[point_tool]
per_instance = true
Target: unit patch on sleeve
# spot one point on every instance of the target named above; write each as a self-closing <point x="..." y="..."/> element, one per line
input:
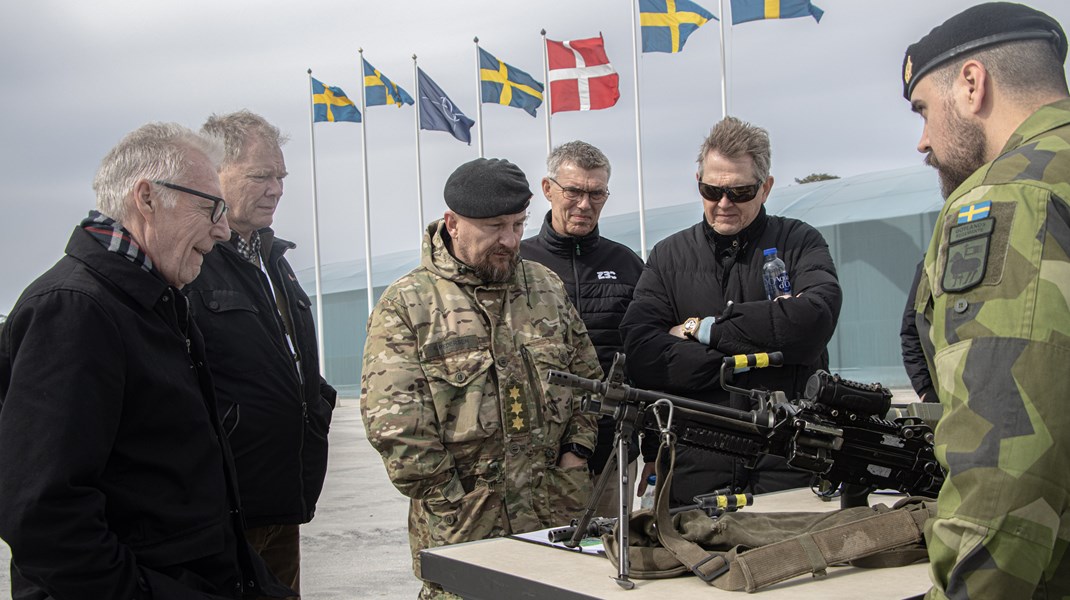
<point x="968" y="243"/>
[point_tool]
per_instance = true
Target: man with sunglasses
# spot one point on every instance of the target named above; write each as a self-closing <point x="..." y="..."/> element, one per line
<point x="115" y="478"/>
<point x="454" y="392"/>
<point x="702" y="297"/>
<point x="599" y="274"/>
<point x="261" y="341"/>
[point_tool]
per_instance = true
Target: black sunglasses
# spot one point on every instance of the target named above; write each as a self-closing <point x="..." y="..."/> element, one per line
<point x="736" y="195"/>
<point x="219" y="208"/>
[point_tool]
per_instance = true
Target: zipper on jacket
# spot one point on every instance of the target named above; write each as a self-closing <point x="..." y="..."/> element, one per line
<point x="576" y="279"/>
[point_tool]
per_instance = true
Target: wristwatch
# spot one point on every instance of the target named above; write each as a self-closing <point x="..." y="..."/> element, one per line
<point x="580" y="451"/>
<point x="691" y="327"/>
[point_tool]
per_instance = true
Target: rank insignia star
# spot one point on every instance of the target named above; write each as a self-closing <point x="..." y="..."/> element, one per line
<point x="518" y="424"/>
<point x="514" y="392"/>
<point x="516" y="408"/>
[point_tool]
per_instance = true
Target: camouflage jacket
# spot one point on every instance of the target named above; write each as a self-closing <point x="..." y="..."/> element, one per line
<point x="994" y="319"/>
<point x="454" y="397"/>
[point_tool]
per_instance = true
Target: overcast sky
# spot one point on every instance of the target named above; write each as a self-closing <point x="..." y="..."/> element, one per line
<point x="76" y="76"/>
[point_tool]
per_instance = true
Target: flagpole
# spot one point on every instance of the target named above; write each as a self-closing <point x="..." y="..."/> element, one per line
<point x="316" y="229"/>
<point x="638" y="137"/>
<point x="479" y="100"/>
<point x="419" y="179"/>
<point x="364" y="176"/>
<point x="546" y="78"/>
<point x="724" y="75"/>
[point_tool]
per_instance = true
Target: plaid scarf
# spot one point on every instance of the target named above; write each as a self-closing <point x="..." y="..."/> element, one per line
<point x="250" y="250"/>
<point x="115" y="238"/>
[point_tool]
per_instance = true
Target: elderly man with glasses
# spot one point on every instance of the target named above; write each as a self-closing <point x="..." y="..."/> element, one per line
<point x="702" y="297"/>
<point x="115" y="478"/>
<point x="599" y="274"/>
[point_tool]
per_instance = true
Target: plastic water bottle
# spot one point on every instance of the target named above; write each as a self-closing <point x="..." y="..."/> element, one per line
<point x="775" y="276"/>
<point x="647" y="500"/>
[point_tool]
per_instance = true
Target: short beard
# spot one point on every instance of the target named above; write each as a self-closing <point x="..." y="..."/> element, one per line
<point x="490" y="272"/>
<point x="966" y="152"/>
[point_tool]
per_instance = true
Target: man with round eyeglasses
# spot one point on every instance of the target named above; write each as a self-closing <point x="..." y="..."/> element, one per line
<point x="701" y="297"/>
<point x="599" y="274"/>
<point x="116" y="479"/>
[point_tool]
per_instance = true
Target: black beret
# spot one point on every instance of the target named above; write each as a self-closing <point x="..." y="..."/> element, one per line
<point x="487" y="187"/>
<point x="975" y="28"/>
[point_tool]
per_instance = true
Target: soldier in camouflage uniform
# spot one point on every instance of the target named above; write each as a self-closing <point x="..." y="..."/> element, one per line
<point x="453" y="392"/>
<point x="994" y="302"/>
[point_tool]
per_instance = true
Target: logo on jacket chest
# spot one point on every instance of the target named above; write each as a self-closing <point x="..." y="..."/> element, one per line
<point x="607" y="274"/>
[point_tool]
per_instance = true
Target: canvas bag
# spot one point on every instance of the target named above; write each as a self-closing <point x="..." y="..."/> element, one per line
<point x="750" y="550"/>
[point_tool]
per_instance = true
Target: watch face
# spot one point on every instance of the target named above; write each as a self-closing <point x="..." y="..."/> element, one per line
<point x="691" y="325"/>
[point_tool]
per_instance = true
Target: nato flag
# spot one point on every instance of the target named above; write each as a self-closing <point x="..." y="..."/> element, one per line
<point x="437" y="112"/>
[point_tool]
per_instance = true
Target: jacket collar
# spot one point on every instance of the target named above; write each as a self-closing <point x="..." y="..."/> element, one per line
<point x="269" y="244"/>
<point x="723" y="243"/>
<point x="142" y="286"/>
<point x="567" y="245"/>
<point x="1048" y="117"/>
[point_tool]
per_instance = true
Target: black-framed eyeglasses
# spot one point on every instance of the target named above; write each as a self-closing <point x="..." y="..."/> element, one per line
<point x="736" y="195"/>
<point x="219" y="208"/>
<point x="575" y="194"/>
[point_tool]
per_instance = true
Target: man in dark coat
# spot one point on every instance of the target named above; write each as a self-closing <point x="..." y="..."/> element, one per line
<point x="261" y="343"/>
<point x="599" y="274"/>
<point x="115" y="478"/>
<point x="702" y="297"/>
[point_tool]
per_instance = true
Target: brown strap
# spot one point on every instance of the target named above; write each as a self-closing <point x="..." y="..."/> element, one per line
<point x="707" y="566"/>
<point x="777" y="562"/>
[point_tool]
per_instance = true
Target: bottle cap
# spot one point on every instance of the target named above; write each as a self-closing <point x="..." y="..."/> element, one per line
<point x="652" y="479"/>
<point x="769" y="251"/>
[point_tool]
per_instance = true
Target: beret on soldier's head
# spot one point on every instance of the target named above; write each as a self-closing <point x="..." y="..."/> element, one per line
<point x="975" y="28"/>
<point x="487" y="187"/>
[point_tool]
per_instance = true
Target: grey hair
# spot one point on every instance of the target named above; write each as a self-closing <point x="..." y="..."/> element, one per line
<point x="581" y="154"/>
<point x="155" y="151"/>
<point x="733" y="138"/>
<point x="1022" y="69"/>
<point x="238" y="129"/>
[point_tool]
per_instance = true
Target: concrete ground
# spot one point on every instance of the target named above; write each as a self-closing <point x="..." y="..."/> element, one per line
<point x="357" y="546"/>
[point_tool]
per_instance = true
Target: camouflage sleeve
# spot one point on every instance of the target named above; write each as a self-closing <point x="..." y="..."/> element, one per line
<point x="583" y="427"/>
<point x="995" y="299"/>
<point x="397" y="409"/>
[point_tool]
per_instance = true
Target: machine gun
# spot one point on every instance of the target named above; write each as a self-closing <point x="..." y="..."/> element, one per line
<point x="838" y="430"/>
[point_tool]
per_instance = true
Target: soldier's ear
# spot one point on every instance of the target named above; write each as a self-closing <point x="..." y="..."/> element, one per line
<point x="450" y="220"/>
<point x="972" y="86"/>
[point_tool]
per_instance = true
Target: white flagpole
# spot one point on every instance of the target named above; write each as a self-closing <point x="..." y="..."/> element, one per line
<point x="546" y="92"/>
<point x="316" y="229"/>
<point x="419" y="179"/>
<point x="479" y="100"/>
<point x="638" y="137"/>
<point x="364" y="176"/>
<point x="724" y="76"/>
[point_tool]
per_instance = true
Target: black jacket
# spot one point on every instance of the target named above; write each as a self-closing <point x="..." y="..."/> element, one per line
<point x="698" y="273"/>
<point x="599" y="276"/>
<point x="913" y="356"/>
<point x="114" y="478"/>
<point x="276" y="418"/>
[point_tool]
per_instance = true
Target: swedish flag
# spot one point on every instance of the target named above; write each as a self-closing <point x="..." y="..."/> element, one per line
<point x="974" y="212"/>
<point x="667" y="23"/>
<point x="505" y="84"/>
<point x="331" y="104"/>
<point x="378" y="89"/>
<point x="755" y="10"/>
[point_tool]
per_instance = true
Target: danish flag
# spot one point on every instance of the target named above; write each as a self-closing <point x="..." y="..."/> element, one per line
<point x="581" y="77"/>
